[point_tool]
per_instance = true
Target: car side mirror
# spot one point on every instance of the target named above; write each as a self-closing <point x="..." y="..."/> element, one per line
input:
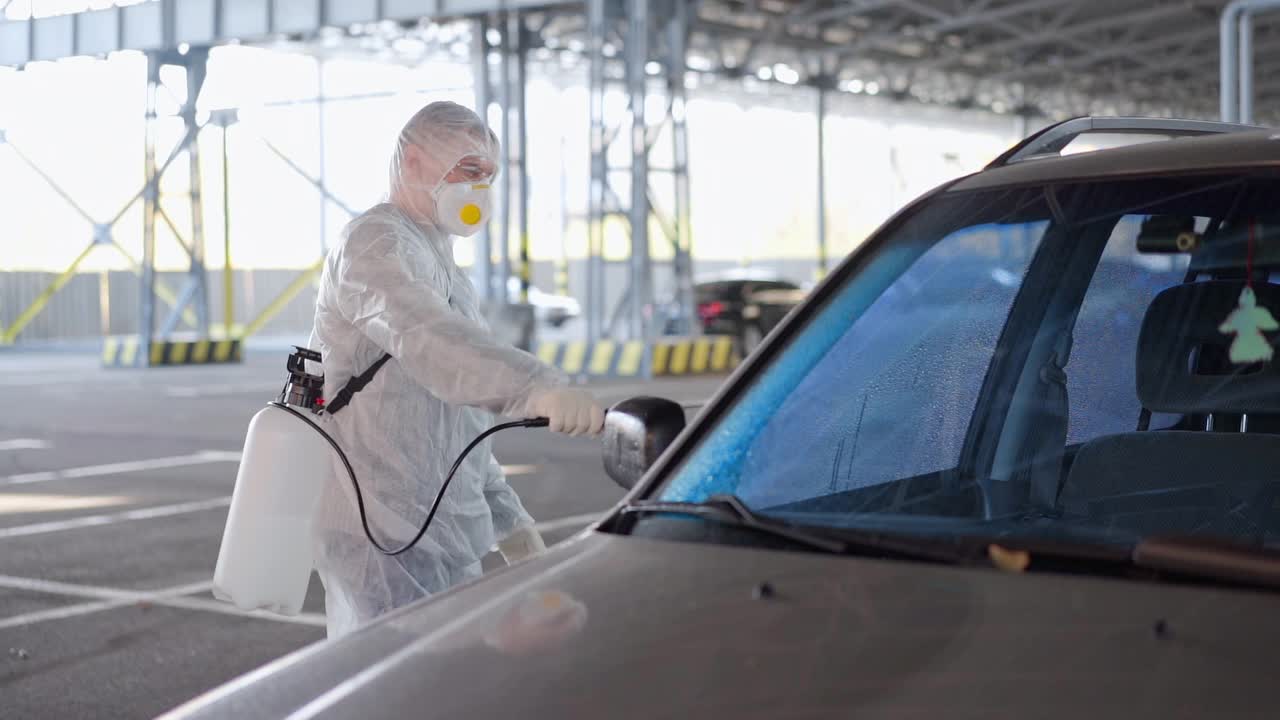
<point x="636" y="432"/>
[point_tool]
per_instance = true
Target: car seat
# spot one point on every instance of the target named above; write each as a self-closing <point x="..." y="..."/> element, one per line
<point x="1201" y="480"/>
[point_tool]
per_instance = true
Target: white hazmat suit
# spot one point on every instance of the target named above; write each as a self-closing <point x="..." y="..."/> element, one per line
<point x="392" y="286"/>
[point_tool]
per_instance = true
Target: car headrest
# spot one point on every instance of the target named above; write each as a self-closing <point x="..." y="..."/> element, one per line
<point x="1184" y="322"/>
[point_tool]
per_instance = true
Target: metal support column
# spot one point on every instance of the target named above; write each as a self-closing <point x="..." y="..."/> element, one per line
<point x="1021" y="123"/>
<point x="652" y="38"/>
<point x="1235" y="32"/>
<point x="562" y="258"/>
<point x="225" y="119"/>
<point x="228" y="276"/>
<point x="321" y="154"/>
<point x="520" y="37"/>
<point x="483" y="268"/>
<point x="822" y="177"/>
<point x="637" y="52"/>
<point x="150" y="196"/>
<point x="194" y="293"/>
<point x="597" y="30"/>
<point x="504" y="125"/>
<point x="1246" y="67"/>
<point x="677" y="36"/>
<point x="196" y="276"/>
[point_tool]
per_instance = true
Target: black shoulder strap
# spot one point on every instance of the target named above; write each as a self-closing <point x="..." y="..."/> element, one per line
<point x="355" y="385"/>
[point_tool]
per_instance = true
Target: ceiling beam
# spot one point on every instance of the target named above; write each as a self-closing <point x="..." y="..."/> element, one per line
<point x="1063" y="36"/>
<point x="983" y="15"/>
<point x="892" y="36"/>
<point x="1056" y="35"/>
<point x="844" y="11"/>
<point x="1104" y="53"/>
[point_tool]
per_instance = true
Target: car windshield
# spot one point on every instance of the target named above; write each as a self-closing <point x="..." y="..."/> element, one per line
<point x="1089" y="360"/>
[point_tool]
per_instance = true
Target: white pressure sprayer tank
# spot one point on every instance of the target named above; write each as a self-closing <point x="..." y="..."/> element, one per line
<point x="265" y="561"/>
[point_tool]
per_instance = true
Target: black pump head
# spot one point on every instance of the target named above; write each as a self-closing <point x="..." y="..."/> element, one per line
<point x="303" y="389"/>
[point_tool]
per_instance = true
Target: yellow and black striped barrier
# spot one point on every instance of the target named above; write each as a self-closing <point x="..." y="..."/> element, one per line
<point x="667" y="357"/>
<point x="129" y="351"/>
<point x="695" y="356"/>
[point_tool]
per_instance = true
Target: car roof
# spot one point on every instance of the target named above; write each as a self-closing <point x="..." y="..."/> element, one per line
<point x="1228" y="151"/>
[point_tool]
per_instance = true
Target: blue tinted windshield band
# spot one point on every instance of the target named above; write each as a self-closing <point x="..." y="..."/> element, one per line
<point x="715" y="467"/>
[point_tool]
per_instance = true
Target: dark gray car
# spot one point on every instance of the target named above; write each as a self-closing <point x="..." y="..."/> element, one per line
<point x="1009" y="460"/>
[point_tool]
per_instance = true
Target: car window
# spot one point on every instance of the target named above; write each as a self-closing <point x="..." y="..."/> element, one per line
<point x="773" y="285"/>
<point x="905" y="375"/>
<point x="717" y="291"/>
<point x="1102" y="396"/>
<point x="1082" y="360"/>
<point x="884" y="383"/>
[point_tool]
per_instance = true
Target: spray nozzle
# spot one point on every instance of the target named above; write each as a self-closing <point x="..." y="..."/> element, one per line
<point x="303" y="389"/>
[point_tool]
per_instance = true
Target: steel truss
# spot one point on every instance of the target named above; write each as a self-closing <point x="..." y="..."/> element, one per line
<point x="639" y="48"/>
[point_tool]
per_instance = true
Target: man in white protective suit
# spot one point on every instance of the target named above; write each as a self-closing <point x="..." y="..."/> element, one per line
<point x="391" y="288"/>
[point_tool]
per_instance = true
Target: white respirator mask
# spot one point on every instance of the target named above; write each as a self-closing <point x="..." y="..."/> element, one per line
<point x="463" y="208"/>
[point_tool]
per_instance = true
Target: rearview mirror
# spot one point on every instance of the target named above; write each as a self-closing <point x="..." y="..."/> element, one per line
<point x="636" y="432"/>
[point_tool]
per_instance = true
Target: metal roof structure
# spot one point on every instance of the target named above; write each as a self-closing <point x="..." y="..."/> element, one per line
<point x="1050" y="57"/>
<point x="1029" y="58"/>
<point x="1060" y="57"/>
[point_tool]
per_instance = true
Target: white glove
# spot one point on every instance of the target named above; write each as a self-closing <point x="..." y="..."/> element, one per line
<point x="524" y="542"/>
<point x="571" y="411"/>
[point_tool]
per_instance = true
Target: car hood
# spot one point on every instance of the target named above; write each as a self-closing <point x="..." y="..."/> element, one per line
<point x="610" y="626"/>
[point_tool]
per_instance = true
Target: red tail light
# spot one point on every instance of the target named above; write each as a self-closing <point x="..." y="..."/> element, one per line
<point x="707" y="311"/>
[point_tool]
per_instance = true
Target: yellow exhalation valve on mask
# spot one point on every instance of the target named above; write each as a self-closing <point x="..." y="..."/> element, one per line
<point x="462" y="208"/>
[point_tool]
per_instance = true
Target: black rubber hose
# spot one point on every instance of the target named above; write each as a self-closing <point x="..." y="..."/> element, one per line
<point x="364" y="519"/>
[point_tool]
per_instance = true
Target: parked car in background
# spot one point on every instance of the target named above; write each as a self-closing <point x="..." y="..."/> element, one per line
<point x="745" y="304"/>
<point x="548" y="308"/>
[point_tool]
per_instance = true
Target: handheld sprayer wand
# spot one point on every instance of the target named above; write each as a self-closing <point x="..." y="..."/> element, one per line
<point x="364" y="519"/>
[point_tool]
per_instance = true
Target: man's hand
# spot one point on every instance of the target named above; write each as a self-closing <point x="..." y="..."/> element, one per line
<point x="524" y="542"/>
<point x="571" y="411"/>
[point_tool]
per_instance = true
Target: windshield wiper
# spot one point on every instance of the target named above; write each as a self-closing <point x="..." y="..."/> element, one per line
<point x="730" y="510"/>
<point x="1209" y="559"/>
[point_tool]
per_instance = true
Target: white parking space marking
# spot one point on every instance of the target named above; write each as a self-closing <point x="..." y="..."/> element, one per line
<point x="568" y="522"/>
<point x="110" y="598"/>
<point x="23" y="444"/>
<point x="61" y="613"/>
<point x="200" y="458"/>
<point x="114" y="518"/>
<point x="54" y="587"/>
<point x="196" y="391"/>
<point x="222" y="608"/>
<point x="14" y="503"/>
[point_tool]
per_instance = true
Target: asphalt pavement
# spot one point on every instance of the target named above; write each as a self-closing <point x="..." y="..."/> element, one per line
<point x="114" y="487"/>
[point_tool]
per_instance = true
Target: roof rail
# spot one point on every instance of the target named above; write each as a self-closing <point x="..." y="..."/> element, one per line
<point x="1050" y="141"/>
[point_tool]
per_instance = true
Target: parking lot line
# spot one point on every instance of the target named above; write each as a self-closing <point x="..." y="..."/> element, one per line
<point x="61" y="613"/>
<point x="21" y="503"/>
<point x="200" y="458"/>
<point x="223" y="608"/>
<point x="104" y="598"/>
<point x="23" y="444"/>
<point x="113" y="518"/>
<point x="95" y="592"/>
